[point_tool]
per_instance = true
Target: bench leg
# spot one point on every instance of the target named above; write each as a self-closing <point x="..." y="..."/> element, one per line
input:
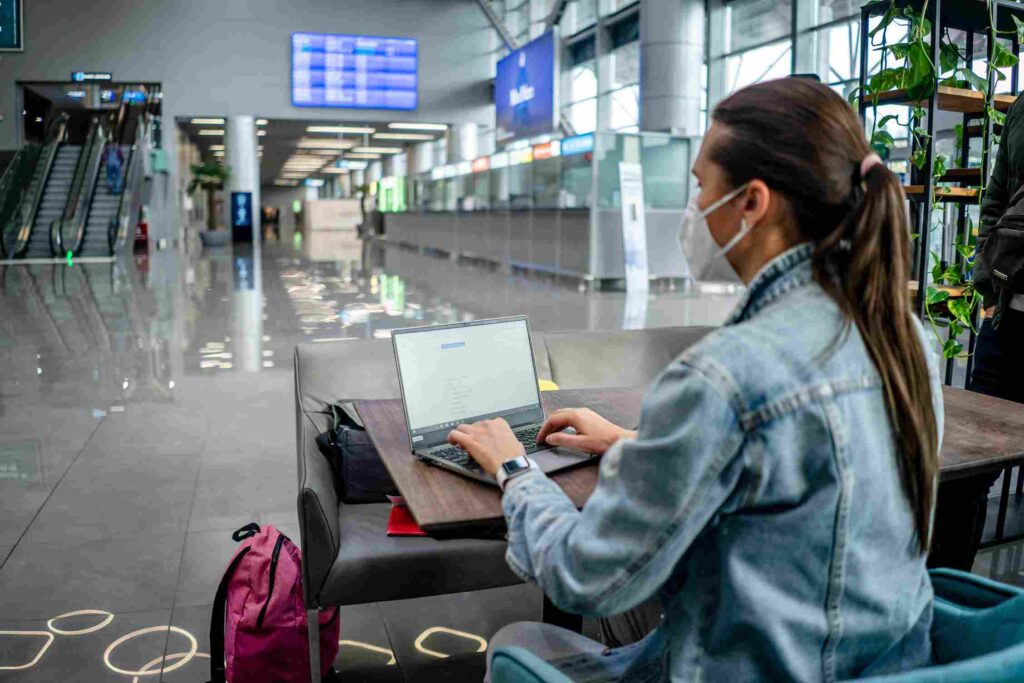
<point x="313" y="626"/>
<point x="556" y="617"/>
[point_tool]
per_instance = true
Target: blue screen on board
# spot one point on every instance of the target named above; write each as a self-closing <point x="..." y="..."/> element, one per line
<point x="359" y="72"/>
<point x="524" y="90"/>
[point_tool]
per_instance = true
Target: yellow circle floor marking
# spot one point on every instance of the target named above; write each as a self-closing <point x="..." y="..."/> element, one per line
<point x="194" y="647"/>
<point x="39" y="655"/>
<point x="443" y="629"/>
<point x="371" y="648"/>
<point x="167" y="658"/>
<point x="82" y="612"/>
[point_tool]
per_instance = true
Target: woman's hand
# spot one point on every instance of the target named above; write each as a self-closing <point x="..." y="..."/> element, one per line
<point x="594" y="434"/>
<point x="490" y="443"/>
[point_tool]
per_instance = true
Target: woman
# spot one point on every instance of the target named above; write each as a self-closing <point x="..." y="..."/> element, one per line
<point x="778" y="496"/>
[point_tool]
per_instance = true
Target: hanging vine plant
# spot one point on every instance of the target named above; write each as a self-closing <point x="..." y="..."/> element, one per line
<point x="914" y="72"/>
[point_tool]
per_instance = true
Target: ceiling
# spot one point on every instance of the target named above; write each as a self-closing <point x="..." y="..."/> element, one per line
<point x="283" y="135"/>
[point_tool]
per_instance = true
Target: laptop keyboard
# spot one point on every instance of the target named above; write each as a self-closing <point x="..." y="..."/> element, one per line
<point x="455" y="455"/>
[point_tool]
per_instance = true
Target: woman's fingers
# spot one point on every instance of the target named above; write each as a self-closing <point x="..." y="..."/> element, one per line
<point x="556" y="422"/>
<point x="564" y="440"/>
<point x="461" y="438"/>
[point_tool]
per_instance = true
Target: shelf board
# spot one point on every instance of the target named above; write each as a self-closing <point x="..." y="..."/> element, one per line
<point x="954" y="292"/>
<point x="950" y="99"/>
<point x="945" y="194"/>
<point x="976" y="130"/>
<point x="961" y="175"/>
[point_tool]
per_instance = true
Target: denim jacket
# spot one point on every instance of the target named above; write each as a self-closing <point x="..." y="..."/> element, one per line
<point x="761" y="503"/>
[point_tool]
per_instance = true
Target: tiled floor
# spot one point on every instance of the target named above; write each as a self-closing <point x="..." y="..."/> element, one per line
<point x="146" y="413"/>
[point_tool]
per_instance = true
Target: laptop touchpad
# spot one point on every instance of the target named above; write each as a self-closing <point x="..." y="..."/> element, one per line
<point x="556" y="459"/>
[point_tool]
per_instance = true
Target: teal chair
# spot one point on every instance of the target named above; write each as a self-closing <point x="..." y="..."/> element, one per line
<point x="977" y="637"/>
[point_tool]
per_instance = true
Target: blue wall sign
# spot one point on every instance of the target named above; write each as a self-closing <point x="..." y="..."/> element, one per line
<point x="241" y="216"/>
<point x="524" y="90"/>
<point x="87" y="76"/>
<point x="578" y="144"/>
<point x="11" y="39"/>
<point x="359" y="72"/>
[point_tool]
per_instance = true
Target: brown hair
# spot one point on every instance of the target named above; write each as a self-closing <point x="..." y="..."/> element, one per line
<point x="804" y="141"/>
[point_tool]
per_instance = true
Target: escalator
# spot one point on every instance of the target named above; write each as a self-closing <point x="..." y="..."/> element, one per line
<point x="68" y="227"/>
<point x="22" y="188"/>
<point x="54" y="199"/>
<point x="105" y="228"/>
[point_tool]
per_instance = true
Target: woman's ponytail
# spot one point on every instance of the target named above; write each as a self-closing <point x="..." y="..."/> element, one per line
<point x="877" y="300"/>
<point x="804" y="141"/>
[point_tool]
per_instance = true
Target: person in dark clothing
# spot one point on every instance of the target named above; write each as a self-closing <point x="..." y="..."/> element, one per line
<point x="998" y="361"/>
<point x="115" y="163"/>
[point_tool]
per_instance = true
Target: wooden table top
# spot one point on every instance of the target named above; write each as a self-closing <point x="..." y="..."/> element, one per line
<point x="982" y="435"/>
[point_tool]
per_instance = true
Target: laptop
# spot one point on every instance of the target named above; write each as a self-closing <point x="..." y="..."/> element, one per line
<point x="467" y="372"/>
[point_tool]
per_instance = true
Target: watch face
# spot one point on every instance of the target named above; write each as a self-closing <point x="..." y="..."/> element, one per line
<point x="517" y="465"/>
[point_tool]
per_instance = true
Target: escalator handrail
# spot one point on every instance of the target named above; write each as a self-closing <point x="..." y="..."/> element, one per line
<point x="66" y="233"/>
<point x="26" y="213"/>
<point x="11" y="190"/>
<point x="117" y="231"/>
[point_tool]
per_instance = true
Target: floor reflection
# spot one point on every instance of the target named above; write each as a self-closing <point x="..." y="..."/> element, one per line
<point x="105" y="334"/>
<point x="72" y="334"/>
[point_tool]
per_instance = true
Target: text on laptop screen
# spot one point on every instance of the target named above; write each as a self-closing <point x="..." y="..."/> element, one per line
<point x="466" y="373"/>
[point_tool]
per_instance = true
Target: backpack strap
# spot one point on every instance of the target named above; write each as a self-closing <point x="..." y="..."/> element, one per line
<point x="1005" y="294"/>
<point x="1016" y="198"/>
<point x="217" y="620"/>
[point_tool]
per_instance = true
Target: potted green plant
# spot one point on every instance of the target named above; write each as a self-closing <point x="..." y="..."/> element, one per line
<point x="210" y="176"/>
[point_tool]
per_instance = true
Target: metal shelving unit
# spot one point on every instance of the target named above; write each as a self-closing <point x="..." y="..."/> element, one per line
<point x="973" y="17"/>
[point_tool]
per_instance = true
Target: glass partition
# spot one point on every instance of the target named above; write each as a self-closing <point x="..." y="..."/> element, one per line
<point x="665" y="160"/>
<point x="577" y="180"/>
<point x="482" y="190"/>
<point x="547" y="183"/>
<point x="553" y="175"/>
<point x="520" y="186"/>
<point x="499" y="186"/>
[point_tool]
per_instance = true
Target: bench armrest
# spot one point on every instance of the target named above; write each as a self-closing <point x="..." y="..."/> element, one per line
<point x="317" y="502"/>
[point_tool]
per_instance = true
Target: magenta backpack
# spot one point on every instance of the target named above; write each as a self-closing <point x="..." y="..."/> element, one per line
<point x="258" y="631"/>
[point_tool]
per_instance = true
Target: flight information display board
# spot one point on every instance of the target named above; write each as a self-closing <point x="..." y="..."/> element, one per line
<point x="361" y="72"/>
<point x="10" y="26"/>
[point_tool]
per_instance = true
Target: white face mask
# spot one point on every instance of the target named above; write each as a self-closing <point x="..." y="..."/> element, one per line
<point x="695" y="221"/>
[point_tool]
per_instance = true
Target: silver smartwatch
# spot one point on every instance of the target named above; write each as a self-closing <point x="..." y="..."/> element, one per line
<point x="510" y="469"/>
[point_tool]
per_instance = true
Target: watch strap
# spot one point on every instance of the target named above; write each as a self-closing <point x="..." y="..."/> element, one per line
<point x="504" y="477"/>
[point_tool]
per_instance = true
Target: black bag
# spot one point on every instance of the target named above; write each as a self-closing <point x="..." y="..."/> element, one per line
<point x="359" y="474"/>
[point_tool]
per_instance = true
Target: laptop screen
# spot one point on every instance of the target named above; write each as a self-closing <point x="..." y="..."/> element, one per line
<point x="466" y="372"/>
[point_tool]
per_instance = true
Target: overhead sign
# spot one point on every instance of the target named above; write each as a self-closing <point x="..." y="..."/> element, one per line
<point x="351" y="165"/>
<point x="10" y="26"/>
<point x="524" y="90"/>
<point x="499" y="160"/>
<point x="87" y="76"/>
<point x="578" y="144"/>
<point x="360" y="72"/>
<point x="520" y="156"/>
<point x="547" y="150"/>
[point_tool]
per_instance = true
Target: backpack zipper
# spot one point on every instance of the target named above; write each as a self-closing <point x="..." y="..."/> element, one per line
<point x="273" y="575"/>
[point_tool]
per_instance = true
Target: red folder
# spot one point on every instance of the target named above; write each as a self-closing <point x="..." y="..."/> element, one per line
<point x="401" y="523"/>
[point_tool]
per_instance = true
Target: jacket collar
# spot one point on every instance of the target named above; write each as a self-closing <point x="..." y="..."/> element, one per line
<point x="790" y="269"/>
